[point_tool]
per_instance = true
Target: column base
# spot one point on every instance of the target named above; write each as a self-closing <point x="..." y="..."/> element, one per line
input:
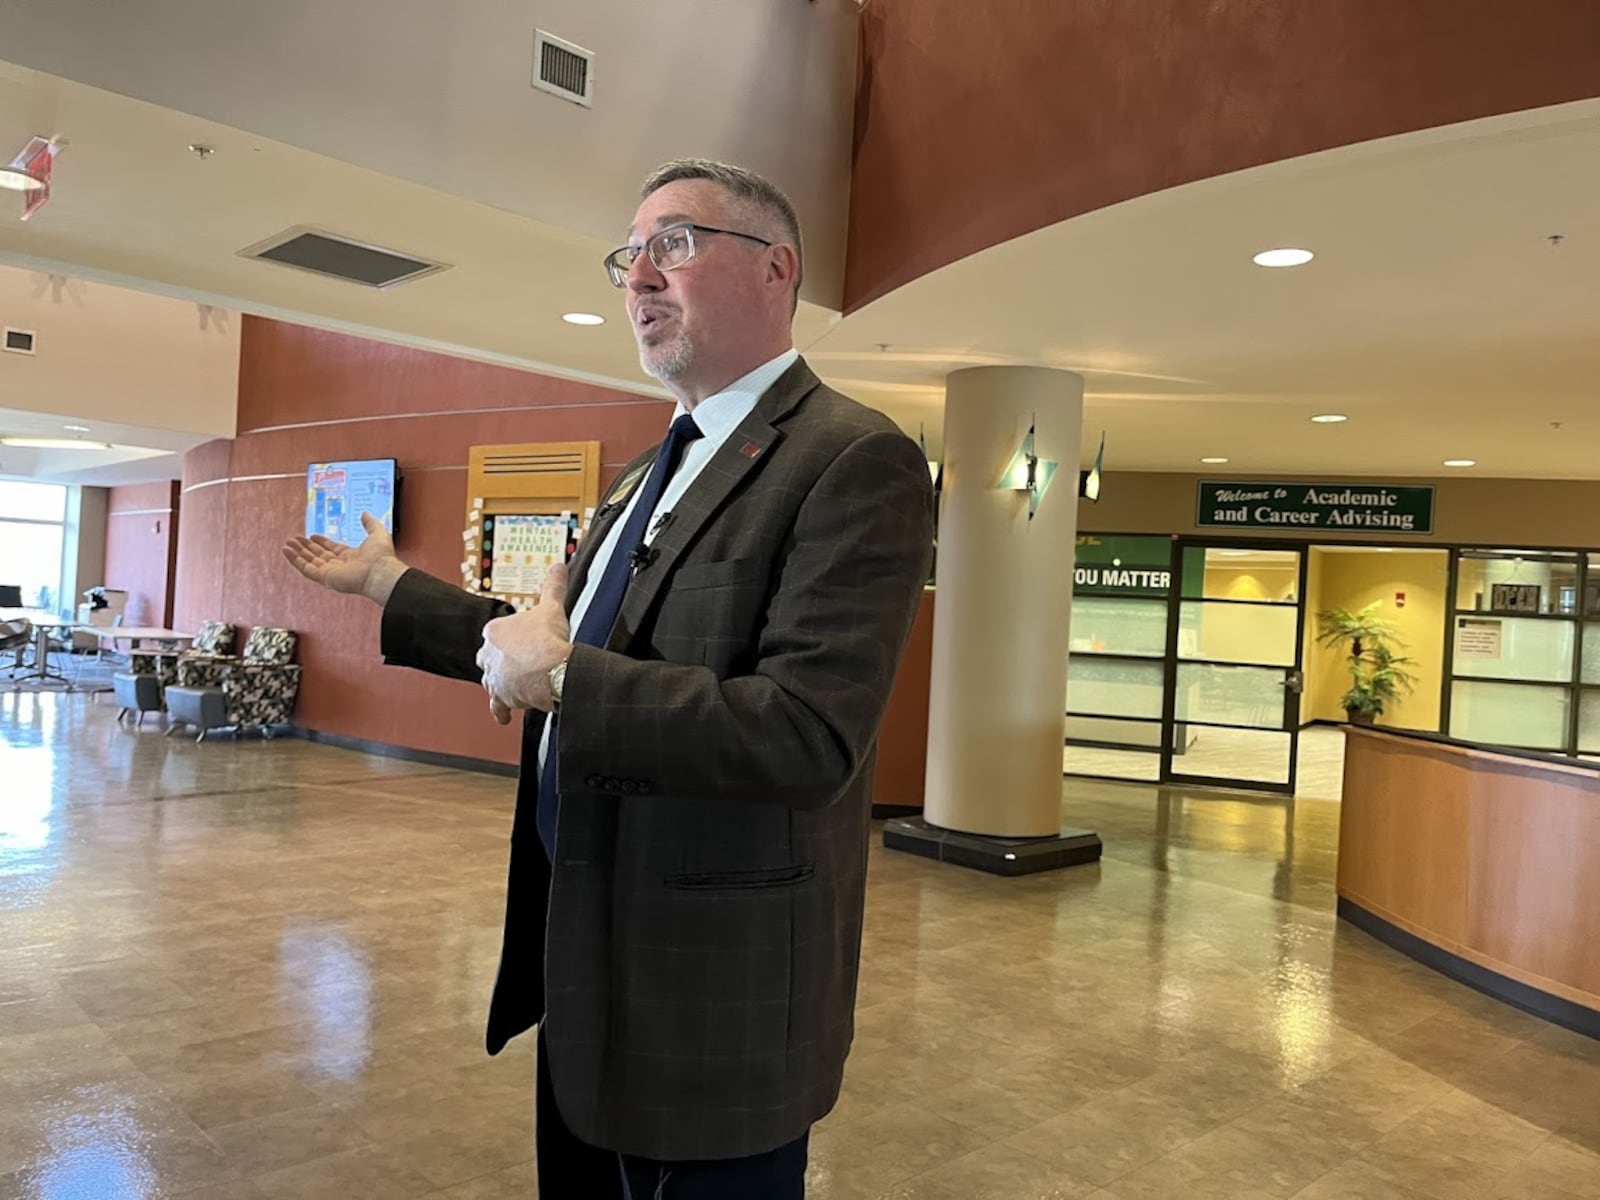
<point x="996" y="855"/>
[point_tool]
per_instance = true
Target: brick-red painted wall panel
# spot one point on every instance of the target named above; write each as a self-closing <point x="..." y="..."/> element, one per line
<point x="306" y="395"/>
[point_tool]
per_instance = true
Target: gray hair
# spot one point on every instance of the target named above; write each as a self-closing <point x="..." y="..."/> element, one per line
<point x="750" y="189"/>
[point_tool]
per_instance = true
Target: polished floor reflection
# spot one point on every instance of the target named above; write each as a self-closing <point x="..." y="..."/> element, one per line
<point x="1227" y="754"/>
<point x="246" y="970"/>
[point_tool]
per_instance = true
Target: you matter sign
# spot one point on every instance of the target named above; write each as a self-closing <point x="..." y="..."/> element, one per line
<point x="1316" y="507"/>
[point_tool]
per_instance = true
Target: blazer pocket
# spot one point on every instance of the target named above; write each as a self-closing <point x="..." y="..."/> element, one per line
<point x="735" y="881"/>
<point x="726" y="573"/>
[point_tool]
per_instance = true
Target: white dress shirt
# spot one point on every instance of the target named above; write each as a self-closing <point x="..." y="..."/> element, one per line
<point x="717" y="416"/>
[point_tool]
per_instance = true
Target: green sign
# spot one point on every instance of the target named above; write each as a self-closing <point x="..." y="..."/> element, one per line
<point x="1122" y="566"/>
<point x="1316" y="507"/>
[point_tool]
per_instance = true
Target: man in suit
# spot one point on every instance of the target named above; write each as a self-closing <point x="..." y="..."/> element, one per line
<point x="688" y="853"/>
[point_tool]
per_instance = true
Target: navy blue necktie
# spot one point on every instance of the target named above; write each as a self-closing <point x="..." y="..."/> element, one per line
<point x="601" y="615"/>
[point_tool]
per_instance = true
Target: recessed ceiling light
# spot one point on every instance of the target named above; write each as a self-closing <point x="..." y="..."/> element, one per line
<point x="14" y="179"/>
<point x="583" y="318"/>
<point x="77" y="428"/>
<point x="1329" y="418"/>
<point x="1213" y="461"/>
<point x="1460" y="462"/>
<point x="54" y="443"/>
<point x="1285" y="257"/>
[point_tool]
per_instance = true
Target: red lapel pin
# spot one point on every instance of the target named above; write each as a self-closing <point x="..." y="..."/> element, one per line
<point x="750" y="450"/>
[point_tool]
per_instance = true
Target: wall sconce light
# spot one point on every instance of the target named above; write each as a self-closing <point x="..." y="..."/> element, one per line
<point x="1027" y="472"/>
<point x="1089" y="481"/>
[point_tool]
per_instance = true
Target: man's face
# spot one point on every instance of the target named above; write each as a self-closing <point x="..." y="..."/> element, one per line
<point x="689" y="320"/>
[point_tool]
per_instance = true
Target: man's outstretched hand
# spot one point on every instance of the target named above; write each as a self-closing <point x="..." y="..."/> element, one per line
<point x="370" y="569"/>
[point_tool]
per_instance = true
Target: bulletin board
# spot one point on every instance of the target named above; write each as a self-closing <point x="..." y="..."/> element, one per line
<point x="528" y="507"/>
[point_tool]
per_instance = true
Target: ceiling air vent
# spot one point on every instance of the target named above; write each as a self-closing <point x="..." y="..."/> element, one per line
<point x="19" y="341"/>
<point x="341" y="257"/>
<point x="563" y="69"/>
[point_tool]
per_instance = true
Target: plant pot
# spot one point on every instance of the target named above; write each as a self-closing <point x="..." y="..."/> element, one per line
<point x="1357" y="717"/>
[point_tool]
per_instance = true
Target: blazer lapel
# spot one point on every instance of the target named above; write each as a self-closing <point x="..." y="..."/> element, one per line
<point x="742" y="454"/>
<point x="608" y="514"/>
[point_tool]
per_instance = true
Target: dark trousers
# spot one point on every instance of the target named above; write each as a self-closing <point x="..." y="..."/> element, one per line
<point x="571" y="1169"/>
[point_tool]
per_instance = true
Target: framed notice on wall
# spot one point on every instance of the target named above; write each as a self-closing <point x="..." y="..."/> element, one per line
<point x="1477" y="638"/>
<point x="523" y="549"/>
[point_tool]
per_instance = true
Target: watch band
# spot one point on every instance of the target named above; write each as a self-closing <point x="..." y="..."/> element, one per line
<point x="558" y="679"/>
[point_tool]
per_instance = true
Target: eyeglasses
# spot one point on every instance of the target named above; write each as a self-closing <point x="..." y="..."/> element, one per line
<point x="669" y="249"/>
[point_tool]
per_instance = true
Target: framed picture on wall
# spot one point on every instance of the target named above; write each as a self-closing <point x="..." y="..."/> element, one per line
<point x="1515" y="597"/>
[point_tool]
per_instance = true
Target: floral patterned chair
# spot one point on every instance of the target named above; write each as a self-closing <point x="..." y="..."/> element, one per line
<point x="258" y="689"/>
<point x="214" y="639"/>
<point x="142" y="687"/>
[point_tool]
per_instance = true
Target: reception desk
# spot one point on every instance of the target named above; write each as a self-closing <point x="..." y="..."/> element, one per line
<point x="1481" y="863"/>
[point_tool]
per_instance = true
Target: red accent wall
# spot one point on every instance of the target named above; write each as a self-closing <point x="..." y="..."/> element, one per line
<point x="901" y="778"/>
<point x="976" y="123"/>
<point x="306" y="395"/>
<point x="141" y="549"/>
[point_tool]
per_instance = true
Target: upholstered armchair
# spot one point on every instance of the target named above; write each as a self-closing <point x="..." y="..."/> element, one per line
<point x="214" y="639"/>
<point x="258" y="689"/>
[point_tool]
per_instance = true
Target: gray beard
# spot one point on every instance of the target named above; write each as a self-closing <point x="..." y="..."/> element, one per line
<point x="668" y="361"/>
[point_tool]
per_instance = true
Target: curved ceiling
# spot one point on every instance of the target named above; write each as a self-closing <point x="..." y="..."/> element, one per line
<point x="1435" y="314"/>
<point x="976" y="124"/>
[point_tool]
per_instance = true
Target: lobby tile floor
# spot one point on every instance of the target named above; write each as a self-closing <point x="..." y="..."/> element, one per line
<point x="247" y="970"/>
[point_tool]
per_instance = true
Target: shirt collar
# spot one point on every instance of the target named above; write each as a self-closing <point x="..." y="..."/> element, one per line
<point x="719" y="415"/>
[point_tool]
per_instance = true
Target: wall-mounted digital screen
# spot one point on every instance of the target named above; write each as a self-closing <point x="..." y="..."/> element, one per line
<point x="337" y="493"/>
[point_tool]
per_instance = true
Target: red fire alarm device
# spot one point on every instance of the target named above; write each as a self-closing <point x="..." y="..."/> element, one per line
<point x="1399" y="599"/>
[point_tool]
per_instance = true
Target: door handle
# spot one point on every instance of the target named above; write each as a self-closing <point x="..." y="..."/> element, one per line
<point x="1294" y="681"/>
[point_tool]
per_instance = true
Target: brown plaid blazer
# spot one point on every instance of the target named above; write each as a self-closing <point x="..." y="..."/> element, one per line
<point x="693" y="953"/>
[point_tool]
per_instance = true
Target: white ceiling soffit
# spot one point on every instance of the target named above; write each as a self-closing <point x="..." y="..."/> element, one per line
<point x="442" y="94"/>
<point x="137" y="454"/>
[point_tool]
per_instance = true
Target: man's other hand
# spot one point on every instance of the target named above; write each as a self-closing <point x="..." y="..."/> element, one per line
<point x="519" y="651"/>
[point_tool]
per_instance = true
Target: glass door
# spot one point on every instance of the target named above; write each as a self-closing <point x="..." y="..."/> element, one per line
<point x="1234" y="655"/>
<point x="1116" y="669"/>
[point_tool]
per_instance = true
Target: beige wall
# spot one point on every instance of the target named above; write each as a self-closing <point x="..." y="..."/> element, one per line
<point x="1352" y="581"/>
<point x="1486" y="512"/>
<point x="108" y="354"/>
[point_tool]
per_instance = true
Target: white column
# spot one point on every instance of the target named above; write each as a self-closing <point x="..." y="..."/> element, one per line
<point x="1002" y="603"/>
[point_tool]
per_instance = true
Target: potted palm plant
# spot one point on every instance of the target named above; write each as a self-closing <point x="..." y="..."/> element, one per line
<point x="1378" y="673"/>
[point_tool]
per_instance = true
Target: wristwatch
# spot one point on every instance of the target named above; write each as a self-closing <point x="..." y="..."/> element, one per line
<point x="558" y="680"/>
